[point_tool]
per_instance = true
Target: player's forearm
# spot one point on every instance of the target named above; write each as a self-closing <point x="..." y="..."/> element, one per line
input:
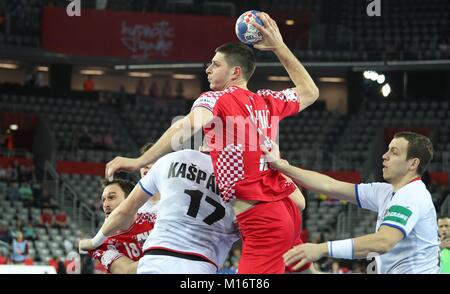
<point x="123" y="265"/>
<point x="310" y="180"/>
<point x="371" y="243"/>
<point x="355" y="248"/>
<point x="305" y="85"/>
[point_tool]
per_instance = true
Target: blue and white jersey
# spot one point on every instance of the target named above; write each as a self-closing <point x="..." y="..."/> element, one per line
<point x="410" y="210"/>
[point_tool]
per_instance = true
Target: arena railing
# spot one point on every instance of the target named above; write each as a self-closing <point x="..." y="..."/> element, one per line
<point x="67" y="192"/>
<point x="51" y="175"/>
<point x="85" y="210"/>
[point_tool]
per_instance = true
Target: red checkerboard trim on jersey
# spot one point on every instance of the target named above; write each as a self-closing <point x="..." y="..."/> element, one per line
<point x="146" y="217"/>
<point x="288" y="95"/>
<point x="215" y="95"/>
<point x="230" y="169"/>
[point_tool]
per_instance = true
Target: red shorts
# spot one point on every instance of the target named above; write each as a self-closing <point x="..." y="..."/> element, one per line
<point x="268" y="230"/>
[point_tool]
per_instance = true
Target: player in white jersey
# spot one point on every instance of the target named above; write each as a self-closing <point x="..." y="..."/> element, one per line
<point x="194" y="230"/>
<point x="406" y="239"/>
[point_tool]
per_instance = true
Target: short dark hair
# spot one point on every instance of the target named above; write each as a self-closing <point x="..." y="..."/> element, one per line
<point x="419" y="146"/>
<point x="126" y="185"/>
<point x="146" y="147"/>
<point x="443" y="216"/>
<point x="239" y="54"/>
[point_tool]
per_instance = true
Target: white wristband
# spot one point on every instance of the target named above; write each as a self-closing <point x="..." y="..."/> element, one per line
<point x="98" y="239"/>
<point x="341" y="249"/>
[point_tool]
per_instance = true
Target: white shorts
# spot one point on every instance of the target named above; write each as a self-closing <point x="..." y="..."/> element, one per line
<point x="163" y="264"/>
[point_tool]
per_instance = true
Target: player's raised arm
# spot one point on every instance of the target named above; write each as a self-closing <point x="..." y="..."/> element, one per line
<point x="273" y="41"/>
<point x="309" y="179"/>
<point x="183" y="128"/>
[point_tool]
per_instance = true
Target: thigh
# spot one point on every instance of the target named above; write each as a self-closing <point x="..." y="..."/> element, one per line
<point x="268" y="231"/>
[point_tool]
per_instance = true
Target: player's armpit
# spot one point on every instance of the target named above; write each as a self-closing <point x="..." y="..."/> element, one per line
<point x="123" y="265"/>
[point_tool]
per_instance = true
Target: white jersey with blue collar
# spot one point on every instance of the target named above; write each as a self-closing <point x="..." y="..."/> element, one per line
<point x="410" y="210"/>
<point x="191" y="216"/>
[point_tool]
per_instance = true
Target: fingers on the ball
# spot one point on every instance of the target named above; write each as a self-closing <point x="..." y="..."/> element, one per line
<point x="259" y="27"/>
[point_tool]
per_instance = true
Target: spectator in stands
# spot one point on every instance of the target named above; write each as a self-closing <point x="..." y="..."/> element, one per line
<point x="45" y="219"/>
<point x="336" y="268"/>
<point x="26" y="194"/>
<point x="12" y="192"/>
<point x="88" y="84"/>
<point x="5" y="236"/>
<point x="19" y="249"/>
<point x="29" y="232"/>
<point x="61" y="219"/>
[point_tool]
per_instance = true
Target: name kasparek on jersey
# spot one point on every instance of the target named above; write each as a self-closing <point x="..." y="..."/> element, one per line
<point x="192" y="173"/>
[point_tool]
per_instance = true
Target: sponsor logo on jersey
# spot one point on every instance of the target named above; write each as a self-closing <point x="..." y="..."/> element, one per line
<point x="398" y="214"/>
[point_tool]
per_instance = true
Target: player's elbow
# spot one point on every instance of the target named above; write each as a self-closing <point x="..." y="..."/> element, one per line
<point x="310" y="94"/>
<point x="314" y="93"/>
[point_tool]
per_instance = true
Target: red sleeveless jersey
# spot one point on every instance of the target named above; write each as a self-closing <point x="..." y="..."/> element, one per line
<point x="239" y="165"/>
<point x="129" y="242"/>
